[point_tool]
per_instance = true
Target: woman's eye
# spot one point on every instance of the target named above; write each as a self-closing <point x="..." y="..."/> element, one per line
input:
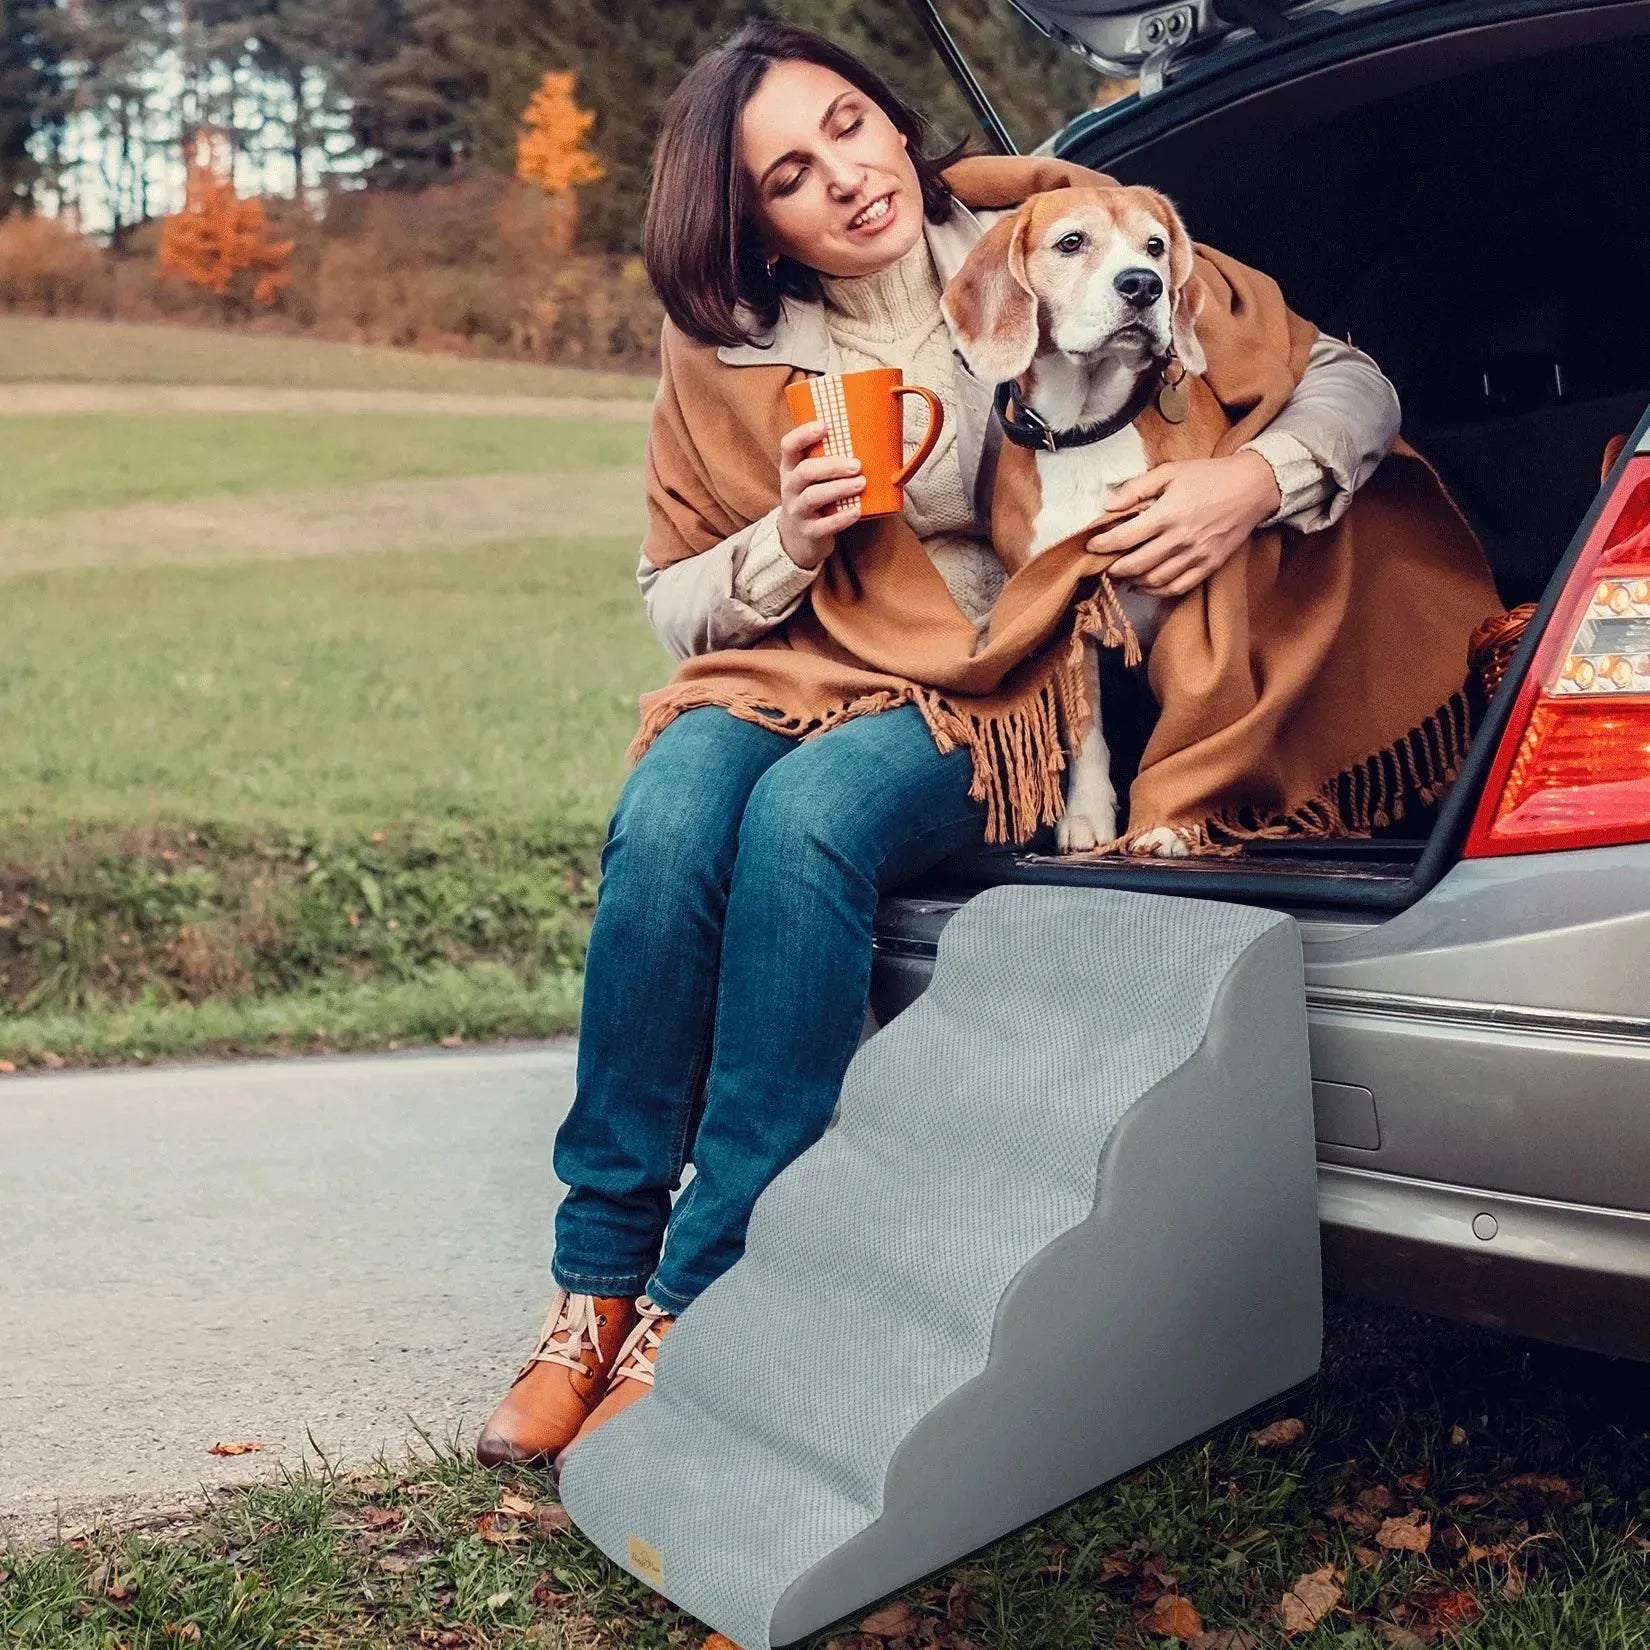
<point x="789" y="185"/>
<point x="1074" y="242"/>
<point x="1154" y="246"/>
<point x="848" y="131"/>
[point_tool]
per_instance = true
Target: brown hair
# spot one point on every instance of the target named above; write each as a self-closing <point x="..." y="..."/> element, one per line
<point x="699" y="238"/>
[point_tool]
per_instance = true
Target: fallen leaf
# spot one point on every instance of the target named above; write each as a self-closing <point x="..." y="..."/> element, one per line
<point x="1500" y="1553"/>
<point x="188" y="1632"/>
<point x="107" y="1582"/>
<point x="1311" y="1599"/>
<point x="1560" y="1488"/>
<point x="517" y="1505"/>
<point x="6" y="1065"/>
<point x="497" y="1601"/>
<point x="379" y="1518"/>
<point x="1377" y="1498"/>
<point x="718" y="1641"/>
<point x="1410" y="1534"/>
<point x="1458" y="1436"/>
<point x="1226" y="1638"/>
<point x="1443" y="1609"/>
<point x="1290" y="1431"/>
<point x="1469" y="1498"/>
<point x="452" y="1042"/>
<point x="1367" y="1557"/>
<point x="1368" y="1522"/>
<point x="233" y="1449"/>
<point x="888" y="1622"/>
<point x="1513" y="1586"/>
<point x="1115" y="1565"/>
<point x="546" y="1597"/>
<point x="1400" y="1638"/>
<point x="1417" y="1480"/>
<point x="499" y="1529"/>
<point x="1172" y="1617"/>
<point x="552" y="1520"/>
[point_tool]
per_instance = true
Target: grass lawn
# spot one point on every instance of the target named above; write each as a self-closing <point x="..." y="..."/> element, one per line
<point x="250" y="790"/>
<point x="1438" y="1485"/>
<point x="80" y="460"/>
<point x="117" y="352"/>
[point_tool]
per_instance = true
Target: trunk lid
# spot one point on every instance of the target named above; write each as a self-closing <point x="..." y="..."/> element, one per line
<point x="1143" y="38"/>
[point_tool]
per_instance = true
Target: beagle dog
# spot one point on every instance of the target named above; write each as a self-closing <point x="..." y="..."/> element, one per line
<point x="1078" y="306"/>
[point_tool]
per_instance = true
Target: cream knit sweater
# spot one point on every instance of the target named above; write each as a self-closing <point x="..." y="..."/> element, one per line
<point x="892" y="319"/>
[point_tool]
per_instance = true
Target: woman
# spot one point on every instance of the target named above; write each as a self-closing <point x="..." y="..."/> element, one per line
<point x="795" y="220"/>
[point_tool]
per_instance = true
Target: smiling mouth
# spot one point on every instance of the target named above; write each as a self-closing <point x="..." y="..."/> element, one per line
<point x="872" y="212"/>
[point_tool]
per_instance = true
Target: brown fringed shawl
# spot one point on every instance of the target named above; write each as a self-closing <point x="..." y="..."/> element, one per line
<point x="1306" y="686"/>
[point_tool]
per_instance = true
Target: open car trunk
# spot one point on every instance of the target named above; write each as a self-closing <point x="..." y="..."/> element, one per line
<point x="1471" y="210"/>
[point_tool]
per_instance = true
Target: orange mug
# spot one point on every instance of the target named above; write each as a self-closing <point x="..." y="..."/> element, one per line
<point x="864" y="420"/>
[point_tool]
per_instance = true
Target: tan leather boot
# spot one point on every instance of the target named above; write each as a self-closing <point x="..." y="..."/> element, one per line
<point x="632" y="1370"/>
<point x="564" y="1376"/>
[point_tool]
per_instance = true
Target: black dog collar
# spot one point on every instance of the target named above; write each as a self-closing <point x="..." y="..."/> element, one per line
<point x="1028" y="430"/>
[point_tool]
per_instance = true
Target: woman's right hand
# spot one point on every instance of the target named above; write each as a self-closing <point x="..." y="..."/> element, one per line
<point x="809" y="491"/>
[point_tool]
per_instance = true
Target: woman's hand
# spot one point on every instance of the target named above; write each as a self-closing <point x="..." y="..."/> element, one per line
<point x="809" y="491"/>
<point x="1202" y="509"/>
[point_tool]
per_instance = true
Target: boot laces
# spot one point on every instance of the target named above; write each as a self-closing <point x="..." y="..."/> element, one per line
<point x="572" y="1315"/>
<point x="634" y="1360"/>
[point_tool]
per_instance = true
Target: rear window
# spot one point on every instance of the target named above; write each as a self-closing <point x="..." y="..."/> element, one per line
<point x="1035" y="85"/>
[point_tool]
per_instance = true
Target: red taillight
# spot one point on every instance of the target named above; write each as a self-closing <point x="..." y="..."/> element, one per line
<point x="1573" y="768"/>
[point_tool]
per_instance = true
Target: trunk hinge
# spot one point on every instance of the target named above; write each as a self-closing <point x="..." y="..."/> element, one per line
<point x="957" y="66"/>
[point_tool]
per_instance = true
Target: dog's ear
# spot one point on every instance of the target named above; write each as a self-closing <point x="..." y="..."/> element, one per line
<point x="989" y="304"/>
<point x="1187" y="306"/>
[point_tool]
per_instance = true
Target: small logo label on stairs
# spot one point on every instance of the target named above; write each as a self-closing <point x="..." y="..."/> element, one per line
<point x="648" y="1562"/>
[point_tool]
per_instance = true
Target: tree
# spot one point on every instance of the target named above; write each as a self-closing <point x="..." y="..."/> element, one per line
<point x="219" y="241"/>
<point x="551" y="148"/>
<point x="30" y="94"/>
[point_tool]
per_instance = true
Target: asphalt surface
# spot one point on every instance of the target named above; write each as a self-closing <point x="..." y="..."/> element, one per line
<point x="325" y="1252"/>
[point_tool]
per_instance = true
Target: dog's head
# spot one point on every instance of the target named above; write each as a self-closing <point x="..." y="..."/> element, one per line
<point x="1096" y="274"/>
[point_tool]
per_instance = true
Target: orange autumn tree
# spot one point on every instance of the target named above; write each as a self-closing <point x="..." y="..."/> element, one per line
<point x="217" y="240"/>
<point x="550" y="149"/>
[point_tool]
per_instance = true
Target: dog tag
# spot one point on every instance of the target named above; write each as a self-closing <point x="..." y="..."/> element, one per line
<point x="1173" y="402"/>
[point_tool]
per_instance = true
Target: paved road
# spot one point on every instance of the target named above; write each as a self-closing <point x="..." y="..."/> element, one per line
<point x="246" y="1251"/>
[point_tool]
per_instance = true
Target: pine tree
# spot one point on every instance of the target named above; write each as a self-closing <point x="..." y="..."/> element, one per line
<point x="31" y="80"/>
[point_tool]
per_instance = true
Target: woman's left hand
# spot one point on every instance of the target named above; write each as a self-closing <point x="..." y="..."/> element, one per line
<point x="1200" y="511"/>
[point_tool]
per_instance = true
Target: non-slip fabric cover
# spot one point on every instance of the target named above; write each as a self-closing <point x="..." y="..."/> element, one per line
<point x="977" y="1296"/>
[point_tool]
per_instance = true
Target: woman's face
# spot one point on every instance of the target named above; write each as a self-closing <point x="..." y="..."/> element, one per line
<point x="834" y="186"/>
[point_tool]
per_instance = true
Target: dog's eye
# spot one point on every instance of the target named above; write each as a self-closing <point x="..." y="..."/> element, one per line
<point x="1070" y="243"/>
<point x="1154" y="246"/>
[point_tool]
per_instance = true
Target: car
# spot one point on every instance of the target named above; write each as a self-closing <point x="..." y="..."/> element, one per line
<point x="1461" y="189"/>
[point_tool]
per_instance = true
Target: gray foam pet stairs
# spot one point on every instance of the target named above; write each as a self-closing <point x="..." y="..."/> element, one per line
<point x="1063" y="1219"/>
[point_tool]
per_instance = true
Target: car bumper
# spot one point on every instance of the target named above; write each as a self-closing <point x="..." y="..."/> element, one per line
<point x="1563" y="1272"/>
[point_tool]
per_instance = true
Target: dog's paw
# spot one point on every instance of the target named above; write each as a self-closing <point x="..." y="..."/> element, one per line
<point x="1161" y="842"/>
<point x="1084" y="827"/>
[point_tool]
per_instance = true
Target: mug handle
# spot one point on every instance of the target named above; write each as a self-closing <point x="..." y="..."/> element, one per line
<point x="936" y="421"/>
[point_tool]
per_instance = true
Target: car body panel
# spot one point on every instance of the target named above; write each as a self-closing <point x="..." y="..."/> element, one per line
<point x="1480" y="1029"/>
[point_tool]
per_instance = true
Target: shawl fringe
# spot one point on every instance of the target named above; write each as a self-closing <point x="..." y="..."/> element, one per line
<point x="1372" y="793"/>
<point x="1016" y="749"/>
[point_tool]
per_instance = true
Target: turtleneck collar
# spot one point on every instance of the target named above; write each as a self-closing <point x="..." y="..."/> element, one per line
<point x="895" y="301"/>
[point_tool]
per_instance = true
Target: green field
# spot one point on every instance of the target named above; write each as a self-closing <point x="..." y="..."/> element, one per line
<point x="79" y="460"/>
<point x="117" y="352"/>
<point x="309" y="724"/>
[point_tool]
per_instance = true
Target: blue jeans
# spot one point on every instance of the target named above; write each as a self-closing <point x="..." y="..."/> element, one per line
<point x="727" y="976"/>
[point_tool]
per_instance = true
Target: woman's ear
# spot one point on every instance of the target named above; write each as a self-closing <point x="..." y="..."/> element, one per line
<point x="1183" y="314"/>
<point x="989" y="305"/>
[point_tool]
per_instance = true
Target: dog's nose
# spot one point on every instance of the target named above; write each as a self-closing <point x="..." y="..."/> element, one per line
<point x="1140" y="287"/>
